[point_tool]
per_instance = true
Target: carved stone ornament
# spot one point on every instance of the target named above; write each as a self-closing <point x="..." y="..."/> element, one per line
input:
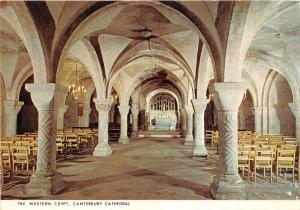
<point x="103" y="107"/>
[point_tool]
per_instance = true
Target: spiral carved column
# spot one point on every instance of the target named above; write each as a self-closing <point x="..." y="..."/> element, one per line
<point x="228" y="183"/>
<point x="45" y="180"/>
<point x="102" y="148"/>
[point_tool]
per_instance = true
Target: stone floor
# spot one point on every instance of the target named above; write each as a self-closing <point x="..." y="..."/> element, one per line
<point x="155" y="169"/>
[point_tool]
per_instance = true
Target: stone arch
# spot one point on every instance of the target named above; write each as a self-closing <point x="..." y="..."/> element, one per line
<point x="91" y="65"/>
<point x="252" y="88"/>
<point x="252" y="23"/>
<point x="24" y="26"/>
<point x="277" y="97"/>
<point x="272" y="62"/>
<point x="2" y="99"/>
<point x="143" y="73"/>
<point x="26" y="72"/>
<point x="129" y="55"/>
<point x="205" y="32"/>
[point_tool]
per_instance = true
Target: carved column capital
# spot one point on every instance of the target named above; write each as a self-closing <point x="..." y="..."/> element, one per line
<point x="199" y="105"/>
<point x="123" y="110"/>
<point x="62" y="109"/>
<point x="42" y="95"/>
<point x="12" y="107"/>
<point x="102" y="104"/>
<point x="189" y="109"/>
<point x="256" y="110"/>
<point x="229" y="95"/>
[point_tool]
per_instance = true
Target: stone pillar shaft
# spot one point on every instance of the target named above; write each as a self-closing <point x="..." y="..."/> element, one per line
<point x="296" y="111"/>
<point x="124" y="125"/>
<point x="12" y="109"/>
<point x="228" y="148"/>
<point x="46" y="159"/>
<point x="102" y="148"/>
<point x="84" y="120"/>
<point x="189" y="139"/>
<point x="257" y="112"/>
<point x="135" y="114"/>
<point x="199" y="107"/>
<point x="143" y="119"/>
<point x="61" y="116"/>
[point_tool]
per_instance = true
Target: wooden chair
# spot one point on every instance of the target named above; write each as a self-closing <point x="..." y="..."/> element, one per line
<point x="60" y="144"/>
<point x="215" y="139"/>
<point x="208" y="136"/>
<point x="288" y="147"/>
<point x="285" y="160"/>
<point x="244" y="162"/>
<point x="290" y="140"/>
<point x="72" y="140"/>
<point x="21" y="136"/>
<point x="263" y="159"/>
<point x="20" y="157"/>
<point x="4" y="168"/>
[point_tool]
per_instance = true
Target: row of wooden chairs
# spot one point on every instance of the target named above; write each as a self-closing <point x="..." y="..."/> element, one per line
<point x="17" y="158"/>
<point x="212" y="137"/>
<point x="267" y="160"/>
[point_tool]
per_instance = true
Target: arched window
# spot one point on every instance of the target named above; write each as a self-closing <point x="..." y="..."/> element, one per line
<point x="163" y="102"/>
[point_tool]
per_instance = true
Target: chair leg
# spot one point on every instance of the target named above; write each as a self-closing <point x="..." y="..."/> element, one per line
<point x="271" y="175"/>
<point x="276" y="174"/>
<point x="293" y="174"/>
<point x="249" y="171"/>
<point x="264" y="172"/>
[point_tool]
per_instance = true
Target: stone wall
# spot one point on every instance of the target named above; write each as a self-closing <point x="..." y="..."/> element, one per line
<point x="71" y="115"/>
<point x="280" y="117"/>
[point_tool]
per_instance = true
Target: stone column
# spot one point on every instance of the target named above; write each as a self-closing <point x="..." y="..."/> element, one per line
<point x="228" y="183"/>
<point x="189" y="139"/>
<point x="60" y="99"/>
<point x="61" y="116"/>
<point x="45" y="180"/>
<point x="143" y="119"/>
<point x="103" y="107"/>
<point x="296" y="112"/>
<point x="199" y="107"/>
<point x="84" y="120"/>
<point x="123" y="135"/>
<point x="12" y="109"/>
<point x="183" y="122"/>
<point x="257" y="112"/>
<point x="135" y="113"/>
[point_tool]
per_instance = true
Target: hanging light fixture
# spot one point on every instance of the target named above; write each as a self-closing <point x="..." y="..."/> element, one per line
<point x="76" y="90"/>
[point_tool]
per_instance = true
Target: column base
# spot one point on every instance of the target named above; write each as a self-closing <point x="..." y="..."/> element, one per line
<point x="42" y="184"/>
<point x="124" y="140"/>
<point x="189" y="141"/>
<point x="200" y="152"/>
<point x="134" y="135"/>
<point x="230" y="187"/>
<point x="102" y="150"/>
